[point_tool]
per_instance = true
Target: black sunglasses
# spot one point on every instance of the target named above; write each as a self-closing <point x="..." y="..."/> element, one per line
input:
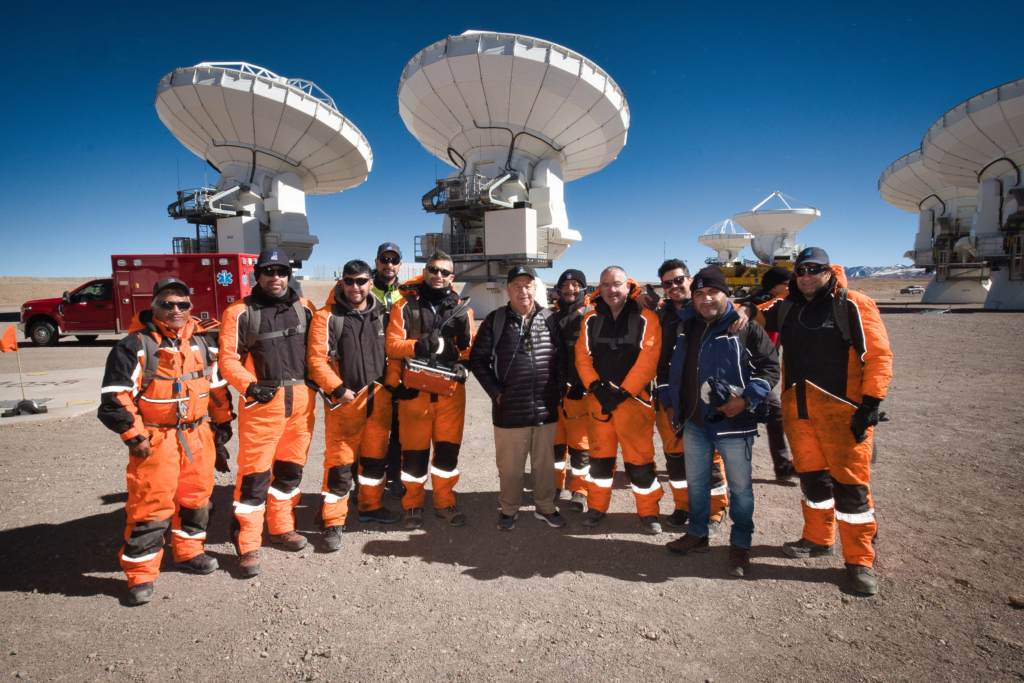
<point x="810" y="270"/>
<point x="434" y="270"/>
<point x="171" y="305"/>
<point x="276" y="272"/>
<point x="357" y="281"/>
<point x="675" y="282"/>
<point x="393" y="260"/>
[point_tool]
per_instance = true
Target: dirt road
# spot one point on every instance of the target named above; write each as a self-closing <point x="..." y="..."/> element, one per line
<point x="474" y="604"/>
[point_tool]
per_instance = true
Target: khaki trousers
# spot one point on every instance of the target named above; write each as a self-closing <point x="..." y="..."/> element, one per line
<point x="511" y="448"/>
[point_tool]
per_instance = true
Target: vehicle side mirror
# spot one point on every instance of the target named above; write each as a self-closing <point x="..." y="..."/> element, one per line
<point x="66" y="297"/>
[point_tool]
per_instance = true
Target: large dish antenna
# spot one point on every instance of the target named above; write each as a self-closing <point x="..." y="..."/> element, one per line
<point x="513" y="96"/>
<point x="775" y="230"/>
<point x="518" y="117"/>
<point x="907" y="184"/>
<point x="972" y="135"/>
<point x="272" y="139"/>
<point x="727" y="239"/>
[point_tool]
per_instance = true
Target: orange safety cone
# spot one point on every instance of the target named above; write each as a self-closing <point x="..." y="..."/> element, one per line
<point x="8" y="343"/>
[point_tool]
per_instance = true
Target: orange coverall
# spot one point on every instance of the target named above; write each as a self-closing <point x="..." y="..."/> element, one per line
<point x="168" y="488"/>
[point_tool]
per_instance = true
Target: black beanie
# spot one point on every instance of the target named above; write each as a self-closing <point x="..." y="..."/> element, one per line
<point x="571" y="274"/>
<point x="711" y="276"/>
<point x="776" y="275"/>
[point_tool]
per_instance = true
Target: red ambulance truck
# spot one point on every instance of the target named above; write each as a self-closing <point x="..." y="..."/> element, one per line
<point x="107" y="306"/>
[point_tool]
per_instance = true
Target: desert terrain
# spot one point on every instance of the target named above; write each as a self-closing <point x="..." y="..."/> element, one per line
<point x="608" y="604"/>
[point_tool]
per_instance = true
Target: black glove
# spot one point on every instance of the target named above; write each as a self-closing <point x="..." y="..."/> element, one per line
<point x="221" y="435"/>
<point x="428" y="345"/>
<point x="261" y="394"/>
<point x="576" y="392"/>
<point x="866" y="416"/>
<point x="608" y="396"/>
<point x="461" y="374"/>
<point x="403" y="393"/>
<point x="339" y="391"/>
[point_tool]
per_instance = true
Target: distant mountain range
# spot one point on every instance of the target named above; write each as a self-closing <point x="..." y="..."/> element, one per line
<point x="898" y="271"/>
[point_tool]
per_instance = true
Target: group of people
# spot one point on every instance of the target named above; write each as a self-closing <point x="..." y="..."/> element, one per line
<point x="569" y="386"/>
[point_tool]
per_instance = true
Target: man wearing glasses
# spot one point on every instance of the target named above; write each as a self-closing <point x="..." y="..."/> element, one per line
<point x="263" y="356"/>
<point x="837" y="366"/>
<point x="571" y="436"/>
<point x="422" y="326"/>
<point x="159" y="383"/>
<point x="617" y="357"/>
<point x="346" y="358"/>
<point x="675" y="281"/>
<point x="385" y="289"/>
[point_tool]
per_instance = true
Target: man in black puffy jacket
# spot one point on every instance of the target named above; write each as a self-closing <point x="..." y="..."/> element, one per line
<point x="515" y="358"/>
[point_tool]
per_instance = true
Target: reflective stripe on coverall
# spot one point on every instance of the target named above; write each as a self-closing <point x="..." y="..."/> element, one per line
<point x="572" y="446"/>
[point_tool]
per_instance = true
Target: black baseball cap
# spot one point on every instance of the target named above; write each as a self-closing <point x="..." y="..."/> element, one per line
<point x="388" y="246"/>
<point x="171" y="283"/>
<point x="776" y="275"/>
<point x="812" y="255"/>
<point x="519" y="271"/>
<point x="272" y="257"/>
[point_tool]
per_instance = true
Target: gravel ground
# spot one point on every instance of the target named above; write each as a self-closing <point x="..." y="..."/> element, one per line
<point x="475" y="604"/>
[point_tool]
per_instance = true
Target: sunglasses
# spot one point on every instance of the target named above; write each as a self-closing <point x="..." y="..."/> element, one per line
<point x="810" y="270"/>
<point x="171" y="305"/>
<point x="276" y="272"/>
<point x="391" y="260"/>
<point x="674" y="282"/>
<point x="434" y="270"/>
<point x="357" y="281"/>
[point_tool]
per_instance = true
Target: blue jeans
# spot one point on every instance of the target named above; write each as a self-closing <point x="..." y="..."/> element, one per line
<point x="735" y="452"/>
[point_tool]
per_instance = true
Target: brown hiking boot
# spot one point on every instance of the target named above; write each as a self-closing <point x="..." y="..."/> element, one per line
<point x="249" y="564"/>
<point x="739" y="561"/>
<point x="452" y="515"/>
<point x="290" y="540"/>
<point x="687" y="543"/>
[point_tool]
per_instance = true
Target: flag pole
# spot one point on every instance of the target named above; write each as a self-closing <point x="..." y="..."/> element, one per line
<point x="17" y="352"/>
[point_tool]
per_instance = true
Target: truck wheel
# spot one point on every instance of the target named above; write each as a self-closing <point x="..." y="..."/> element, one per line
<point x="86" y="338"/>
<point x="43" y="333"/>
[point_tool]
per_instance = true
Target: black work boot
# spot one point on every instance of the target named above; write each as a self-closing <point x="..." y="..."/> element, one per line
<point x="739" y="561"/>
<point x="678" y="519"/>
<point x="200" y="564"/>
<point x="141" y="593"/>
<point x="803" y="549"/>
<point x="863" y="579"/>
<point x="332" y="538"/>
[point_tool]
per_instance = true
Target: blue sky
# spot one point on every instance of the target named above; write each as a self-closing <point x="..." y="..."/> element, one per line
<point x="728" y="103"/>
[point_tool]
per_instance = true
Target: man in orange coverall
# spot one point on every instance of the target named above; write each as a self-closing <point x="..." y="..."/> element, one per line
<point x="159" y="383"/>
<point x="836" y="367"/>
<point x="346" y="358"/>
<point x="617" y="357"/>
<point x="263" y="356"/>
<point x="422" y="326"/>
<point x="571" y="445"/>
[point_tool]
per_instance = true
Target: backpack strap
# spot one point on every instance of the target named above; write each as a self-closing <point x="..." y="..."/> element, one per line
<point x="151" y="361"/>
<point x="841" y="312"/>
<point x="335" y="330"/>
<point x="632" y="333"/>
<point x="497" y="327"/>
<point x="415" y="319"/>
<point x="254" y="316"/>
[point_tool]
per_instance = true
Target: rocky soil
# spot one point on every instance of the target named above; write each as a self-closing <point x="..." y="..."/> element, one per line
<point x="473" y="603"/>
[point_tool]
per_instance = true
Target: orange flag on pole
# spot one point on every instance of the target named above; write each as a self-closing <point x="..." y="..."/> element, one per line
<point x="9" y="342"/>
